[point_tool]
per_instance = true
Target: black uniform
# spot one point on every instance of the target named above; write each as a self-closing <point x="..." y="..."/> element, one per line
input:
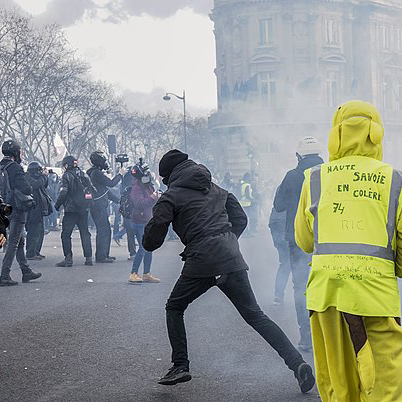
<point x="208" y="221"/>
<point x="34" y="226"/>
<point x="75" y="211"/>
<point x="287" y="199"/>
<point x="99" y="210"/>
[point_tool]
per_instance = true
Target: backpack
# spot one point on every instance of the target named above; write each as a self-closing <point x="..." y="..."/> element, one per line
<point x="83" y="194"/>
<point x="126" y="206"/>
<point x="5" y="190"/>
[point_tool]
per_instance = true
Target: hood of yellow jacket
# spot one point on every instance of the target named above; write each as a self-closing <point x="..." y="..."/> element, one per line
<point x="356" y="130"/>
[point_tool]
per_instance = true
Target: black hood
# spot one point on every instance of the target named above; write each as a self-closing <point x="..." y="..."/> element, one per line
<point x="309" y="161"/>
<point x="189" y="174"/>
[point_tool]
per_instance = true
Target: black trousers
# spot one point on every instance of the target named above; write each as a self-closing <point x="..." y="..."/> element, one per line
<point x="71" y="219"/>
<point x="236" y="286"/>
<point x="35" y="235"/>
<point x="103" y="232"/>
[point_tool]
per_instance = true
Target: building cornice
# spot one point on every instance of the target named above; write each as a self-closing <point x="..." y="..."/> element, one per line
<point x="393" y="4"/>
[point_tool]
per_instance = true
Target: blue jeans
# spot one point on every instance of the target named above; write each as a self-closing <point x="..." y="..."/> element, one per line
<point x="141" y="254"/>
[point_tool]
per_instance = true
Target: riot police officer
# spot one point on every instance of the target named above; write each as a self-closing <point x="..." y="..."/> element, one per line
<point x="99" y="207"/>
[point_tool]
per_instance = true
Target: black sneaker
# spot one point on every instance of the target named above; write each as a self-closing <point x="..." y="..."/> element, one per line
<point x="89" y="262"/>
<point x="175" y="375"/>
<point x="304" y="376"/>
<point x="65" y="263"/>
<point x="7" y="282"/>
<point x="111" y="258"/>
<point x="34" y="258"/>
<point x="104" y="261"/>
<point x="30" y="277"/>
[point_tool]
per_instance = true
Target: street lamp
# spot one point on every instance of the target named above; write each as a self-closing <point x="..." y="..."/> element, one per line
<point x="182" y="98"/>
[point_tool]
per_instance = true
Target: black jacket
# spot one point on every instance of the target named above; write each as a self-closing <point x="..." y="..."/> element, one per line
<point x="42" y="208"/>
<point x="208" y="220"/>
<point x="102" y="183"/>
<point x="54" y="186"/>
<point x="127" y="181"/>
<point x="71" y="189"/>
<point x="288" y="193"/>
<point x="16" y="178"/>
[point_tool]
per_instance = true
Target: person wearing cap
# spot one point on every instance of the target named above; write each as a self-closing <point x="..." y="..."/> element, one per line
<point x="350" y="217"/>
<point x="208" y="221"/>
<point x="286" y="200"/>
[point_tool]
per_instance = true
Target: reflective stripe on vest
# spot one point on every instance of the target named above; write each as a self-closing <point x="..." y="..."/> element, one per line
<point x="245" y="202"/>
<point x="355" y="248"/>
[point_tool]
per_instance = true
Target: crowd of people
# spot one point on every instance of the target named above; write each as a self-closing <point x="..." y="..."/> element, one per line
<point x="42" y="201"/>
<point x="337" y="227"/>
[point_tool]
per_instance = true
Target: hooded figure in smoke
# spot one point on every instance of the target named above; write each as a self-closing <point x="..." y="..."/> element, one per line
<point x="286" y="200"/>
<point x="209" y="221"/>
<point x="350" y="216"/>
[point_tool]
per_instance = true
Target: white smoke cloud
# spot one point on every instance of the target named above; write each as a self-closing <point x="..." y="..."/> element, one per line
<point x="66" y="13"/>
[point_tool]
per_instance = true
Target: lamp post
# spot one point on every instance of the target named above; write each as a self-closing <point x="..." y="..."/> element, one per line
<point x="182" y="98"/>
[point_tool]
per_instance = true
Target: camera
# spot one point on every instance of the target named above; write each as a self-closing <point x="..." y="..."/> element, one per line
<point x="121" y="158"/>
<point x="5" y="209"/>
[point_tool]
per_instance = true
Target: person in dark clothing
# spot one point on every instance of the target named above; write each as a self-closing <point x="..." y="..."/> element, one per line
<point x="277" y="225"/>
<point x="35" y="227"/>
<point x="208" y="221"/>
<point x="99" y="207"/>
<point x="127" y="225"/>
<point x="53" y="190"/>
<point x="227" y="183"/>
<point x="17" y="180"/>
<point x="75" y="186"/>
<point x="287" y="199"/>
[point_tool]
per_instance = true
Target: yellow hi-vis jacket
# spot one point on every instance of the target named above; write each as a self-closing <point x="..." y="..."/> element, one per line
<point x="351" y="207"/>
<point x="245" y="201"/>
<point x="349" y="217"/>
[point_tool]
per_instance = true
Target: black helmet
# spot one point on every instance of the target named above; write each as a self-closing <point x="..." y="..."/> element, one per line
<point x="12" y="148"/>
<point x="98" y="158"/>
<point x="140" y="169"/>
<point x="70" y="161"/>
<point x="35" y="167"/>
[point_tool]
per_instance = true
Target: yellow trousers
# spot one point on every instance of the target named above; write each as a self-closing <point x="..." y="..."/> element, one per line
<point x="374" y="375"/>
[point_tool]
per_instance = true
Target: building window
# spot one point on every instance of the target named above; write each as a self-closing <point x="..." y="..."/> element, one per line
<point x="384" y="37"/>
<point x="398" y="39"/>
<point x="386" y="95"/>
<point x="399" y="97"/>
<point x="268" y="89"/>
<point x="266" y="32"/>
<point x="332" y="90"/>
<point x="331" y="32"/>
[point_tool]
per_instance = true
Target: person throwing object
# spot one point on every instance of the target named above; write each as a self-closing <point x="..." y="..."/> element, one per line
<point x="209" y="221"/>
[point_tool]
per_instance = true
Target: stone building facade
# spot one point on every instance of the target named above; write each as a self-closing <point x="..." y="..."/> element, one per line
<point x="282" y="66"/>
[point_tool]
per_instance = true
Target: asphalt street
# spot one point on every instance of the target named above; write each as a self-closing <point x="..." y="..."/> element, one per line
<point x="86" y="334"/>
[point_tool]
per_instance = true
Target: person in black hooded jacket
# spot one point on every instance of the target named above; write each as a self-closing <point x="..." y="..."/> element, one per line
<point x="35" y="228"/>
<point x="209" y="221"/>
<point x="287" y="199"/>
